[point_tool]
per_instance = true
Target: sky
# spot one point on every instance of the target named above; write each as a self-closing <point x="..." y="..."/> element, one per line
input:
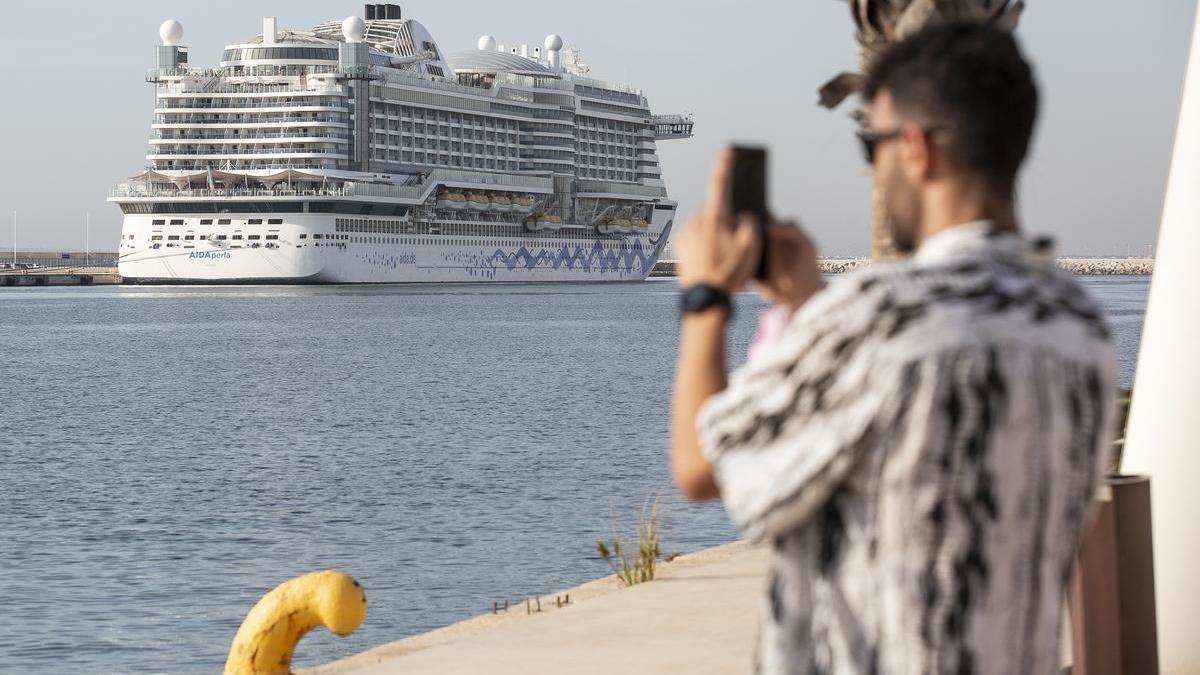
<point x="75" y="113"/>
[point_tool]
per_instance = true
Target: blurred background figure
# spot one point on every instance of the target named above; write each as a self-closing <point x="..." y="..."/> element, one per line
<point x="881" y="23"/>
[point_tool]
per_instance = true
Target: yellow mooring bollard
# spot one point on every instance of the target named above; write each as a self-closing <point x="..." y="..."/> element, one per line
<point x="267" y="639"/>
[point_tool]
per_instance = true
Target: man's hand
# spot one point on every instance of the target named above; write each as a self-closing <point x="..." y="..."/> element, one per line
<point x="792" y="275"/>
<point x="716" y="248"/>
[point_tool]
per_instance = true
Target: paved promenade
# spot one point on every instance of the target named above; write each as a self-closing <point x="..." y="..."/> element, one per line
<point x="699" y="616"/>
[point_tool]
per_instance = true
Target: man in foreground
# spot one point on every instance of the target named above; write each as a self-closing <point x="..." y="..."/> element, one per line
<point x="922" y="440"/>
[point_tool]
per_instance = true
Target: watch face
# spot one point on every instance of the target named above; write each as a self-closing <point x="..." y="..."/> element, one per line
<point x="700" y="297"/>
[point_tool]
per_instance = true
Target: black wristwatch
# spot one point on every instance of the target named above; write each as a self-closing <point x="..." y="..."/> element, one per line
<point x="702" y="297"/>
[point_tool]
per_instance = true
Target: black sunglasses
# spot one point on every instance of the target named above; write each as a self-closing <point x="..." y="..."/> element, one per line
<point x="870" y="139"/>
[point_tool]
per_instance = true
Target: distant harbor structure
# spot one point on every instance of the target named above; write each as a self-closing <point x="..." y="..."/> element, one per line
<point x="1080" y="266"/>
<point x="359" y="151"/>
<point x="42" y="268"/>
<point x="1141" y="266"/>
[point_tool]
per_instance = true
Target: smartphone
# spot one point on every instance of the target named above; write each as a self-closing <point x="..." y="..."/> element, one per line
<point x="750" y="194"/>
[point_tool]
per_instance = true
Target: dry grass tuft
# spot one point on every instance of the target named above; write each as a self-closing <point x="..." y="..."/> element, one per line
<point x="635" y="567"/>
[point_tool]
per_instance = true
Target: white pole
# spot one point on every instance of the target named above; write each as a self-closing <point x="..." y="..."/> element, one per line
<point x="87" y="240"/>
<point x="14" y="239"/>
<point x="1163" y="438"/>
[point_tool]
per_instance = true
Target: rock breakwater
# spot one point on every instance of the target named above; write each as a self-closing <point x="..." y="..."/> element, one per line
<point x="1081" y="266"/>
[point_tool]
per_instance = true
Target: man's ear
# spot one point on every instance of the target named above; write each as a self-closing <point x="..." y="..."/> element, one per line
<point x="917" y="153"/>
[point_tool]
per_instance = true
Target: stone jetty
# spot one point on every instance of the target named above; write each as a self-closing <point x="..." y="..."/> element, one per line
<point x="1108" y="266"/>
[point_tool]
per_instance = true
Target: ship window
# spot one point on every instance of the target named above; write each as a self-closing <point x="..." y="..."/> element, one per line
<point x="272" y="236"/>
<point x="222" y="221"/>
<point x="253" y="237"/>
<point x="158" y="221"/>
<point x="255" y="221"/>
<point x="177" y="222"/>
<point x="206" y="221"/>
<point x="157" y="237"/>
<point x="189" y="238"/>
<point x="221" y="237"/>
<point x="237" y="237"/>
<point x="274" y="221"/>
<point x="316" y="236"/>
<point x="173" y="237"/>
<point x="304" y="236"/>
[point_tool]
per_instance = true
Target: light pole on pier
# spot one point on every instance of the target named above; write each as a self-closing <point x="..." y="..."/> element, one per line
<point x="14" y="239"/>
<point x="87" y="240"/>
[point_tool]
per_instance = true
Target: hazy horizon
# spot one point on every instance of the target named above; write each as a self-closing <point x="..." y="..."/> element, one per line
<point x="1110" y="78"/>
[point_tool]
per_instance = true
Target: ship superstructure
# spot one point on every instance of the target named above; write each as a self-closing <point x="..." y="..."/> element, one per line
<point x="357" y="151"/>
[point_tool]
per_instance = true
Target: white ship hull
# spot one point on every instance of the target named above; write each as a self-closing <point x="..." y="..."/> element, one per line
<point x="298" y="257"/>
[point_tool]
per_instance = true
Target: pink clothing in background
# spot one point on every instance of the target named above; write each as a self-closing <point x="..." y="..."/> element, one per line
<point x="770" y="327"/>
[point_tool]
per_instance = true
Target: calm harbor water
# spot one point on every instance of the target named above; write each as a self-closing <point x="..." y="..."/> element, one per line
<point x="167" y="455"/>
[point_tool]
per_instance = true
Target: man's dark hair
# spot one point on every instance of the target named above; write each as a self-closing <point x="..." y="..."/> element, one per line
<point x="970" y="83"/>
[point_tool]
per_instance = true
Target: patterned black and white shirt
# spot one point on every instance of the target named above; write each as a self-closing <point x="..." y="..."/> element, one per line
<point x="921" y="446"/>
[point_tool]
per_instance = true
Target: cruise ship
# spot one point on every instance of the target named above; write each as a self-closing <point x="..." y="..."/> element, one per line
<point x="358" y="151"/>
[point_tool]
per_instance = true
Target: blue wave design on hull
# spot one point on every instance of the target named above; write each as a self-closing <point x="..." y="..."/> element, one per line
<point x="635" y="259"/>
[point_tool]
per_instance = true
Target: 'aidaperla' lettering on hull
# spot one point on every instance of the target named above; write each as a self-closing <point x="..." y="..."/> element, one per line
<point x="209" y="255"/>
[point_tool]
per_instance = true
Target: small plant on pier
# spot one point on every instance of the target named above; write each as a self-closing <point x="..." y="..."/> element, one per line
<point x="635" y="567"/>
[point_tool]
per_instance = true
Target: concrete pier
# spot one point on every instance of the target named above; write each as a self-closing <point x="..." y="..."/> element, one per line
<point x="700" y="615"/>
<point x="60" y="276"/>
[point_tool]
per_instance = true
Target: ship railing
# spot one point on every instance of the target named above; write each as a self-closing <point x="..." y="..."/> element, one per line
<point x="596" y="187"/>
<point x="602" y="84"/>
<point x="673" y="119"/>
<point x="366" y="71"/>
<point x="388" y="191"/>
<point x="290" y="70"/>
<point x="275" y="164"/>
<point x="596" y="96"/>
<point x="349" y="189"/>
<point x="405" y="77"/>
<point x="155" y="74"/>
<point x="303" y="138"/>
<point x="156" y="151"/>
<point x="263" y="103"/>
<point x="314" y="87"/>
<point x="200" y="120"/>
<point x="549" y="144"/>
<point x="533" y="82"/>
<point x="153" y="192"/>
<point x="499" y="180"/>
<point x="557" y="133"/>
